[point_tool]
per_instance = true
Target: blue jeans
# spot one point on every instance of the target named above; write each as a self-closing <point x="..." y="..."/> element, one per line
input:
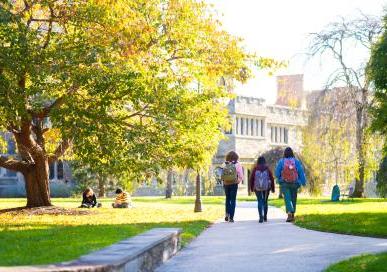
<point x="231" y="193"/>
<point x="262" y="197"/>
<point x="290" y="195"/>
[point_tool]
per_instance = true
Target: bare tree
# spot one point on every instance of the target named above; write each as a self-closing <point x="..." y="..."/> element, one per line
<point x="336" y="40"/>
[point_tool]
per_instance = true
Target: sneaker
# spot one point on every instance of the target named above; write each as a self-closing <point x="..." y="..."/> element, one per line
<point x="260" y="220"/>
<point x="226" y="218"/>
<point x="231" y="220"/>
<point x="293" y="218"/>
<point x="290" y="218"/>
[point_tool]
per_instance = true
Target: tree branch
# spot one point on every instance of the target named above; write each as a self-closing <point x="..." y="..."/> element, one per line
<point x="60" y="150"/>
<point x="12" y="164"/>
<point x="50" y="22"/>
<point x="57" y="103"/>
<point x="139" y="112"/>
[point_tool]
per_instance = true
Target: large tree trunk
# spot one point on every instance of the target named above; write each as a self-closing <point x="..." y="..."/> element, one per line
<point x="36" y="175"/>
<point x="37" y="184"/>
<point x="168" y="190"/>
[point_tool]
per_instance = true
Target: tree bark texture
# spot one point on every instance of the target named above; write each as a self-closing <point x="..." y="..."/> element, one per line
<point x="33" y="161"/>
<point x="198" y="201"/>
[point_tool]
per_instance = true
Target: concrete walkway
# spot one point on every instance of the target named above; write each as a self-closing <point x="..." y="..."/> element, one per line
<point x="274" y="246"/>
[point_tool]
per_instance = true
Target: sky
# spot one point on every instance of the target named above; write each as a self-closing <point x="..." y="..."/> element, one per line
<point x="280" y="29"/>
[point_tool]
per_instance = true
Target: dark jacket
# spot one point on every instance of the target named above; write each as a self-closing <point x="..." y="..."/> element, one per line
<point x="91" y="200"/>
<point x="252" y="177"/>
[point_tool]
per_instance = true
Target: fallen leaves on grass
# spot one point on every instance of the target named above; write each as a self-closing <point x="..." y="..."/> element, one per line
<point x="52" y="210"/>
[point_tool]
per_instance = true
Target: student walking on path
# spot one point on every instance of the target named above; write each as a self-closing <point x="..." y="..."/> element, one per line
<point x="290" y="176"/>
<point x="232" y="175"/>
<point x="261" y="182"/>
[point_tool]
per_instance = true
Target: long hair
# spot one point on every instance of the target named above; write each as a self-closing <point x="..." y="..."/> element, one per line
<point x="232" y="156"/>
<point x="288" y="153"/>
<point x="261" y="161"/>
<point x="88" y="191"/>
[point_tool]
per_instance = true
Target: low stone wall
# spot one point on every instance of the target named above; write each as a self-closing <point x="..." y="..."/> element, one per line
<point x="143" y="253"/>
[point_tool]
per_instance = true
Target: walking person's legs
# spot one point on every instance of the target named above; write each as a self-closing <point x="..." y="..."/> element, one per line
<point x="227" y="204"/>
<point x="294" y="191"/>
<point x="286" y="189"/>
<point x="260" y="198"/>
<point x="233" y="194"/>
<point x="265" y="206"/>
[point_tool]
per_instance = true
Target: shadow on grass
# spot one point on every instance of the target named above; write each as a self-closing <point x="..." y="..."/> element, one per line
<point x="360" y="223"/>
<point x="12" y="210"/>
<point x="46" y="243"/>
<point x="321" y="201"/>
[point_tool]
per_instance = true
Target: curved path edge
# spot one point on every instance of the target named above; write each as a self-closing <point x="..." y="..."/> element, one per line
<point x="274" y="246"/>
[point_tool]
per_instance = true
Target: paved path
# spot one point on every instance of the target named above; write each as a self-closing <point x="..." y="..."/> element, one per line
<point x="274" y="246"/>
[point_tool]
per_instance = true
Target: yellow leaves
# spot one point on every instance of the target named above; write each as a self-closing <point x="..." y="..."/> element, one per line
<point x="3" y="145"/>
<point x="52" y="138"/>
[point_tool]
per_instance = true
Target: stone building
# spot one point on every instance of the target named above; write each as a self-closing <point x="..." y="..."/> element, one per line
<point x="290" y="90"/>
<point x="258" y="127"/>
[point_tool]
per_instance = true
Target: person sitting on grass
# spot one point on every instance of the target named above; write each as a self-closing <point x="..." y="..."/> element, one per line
<point x="89" y="200"/>
<point x="122" y="199"/>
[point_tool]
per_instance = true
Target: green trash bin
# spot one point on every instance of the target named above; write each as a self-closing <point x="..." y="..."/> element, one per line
<point x="335" y="193"/>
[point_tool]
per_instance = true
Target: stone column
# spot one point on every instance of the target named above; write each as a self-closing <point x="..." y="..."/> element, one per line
<point x="263" y="128"/>
<point x="281" y="135"/>
<point x="237" y="124"/>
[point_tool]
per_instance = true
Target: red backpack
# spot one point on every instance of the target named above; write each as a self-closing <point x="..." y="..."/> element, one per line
<point x="289" y="172"/>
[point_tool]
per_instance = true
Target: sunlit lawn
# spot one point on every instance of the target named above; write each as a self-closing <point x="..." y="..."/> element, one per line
<point x="43" y="239"/>
<point x="365" y="217"/>
<point x="369" y="263"/>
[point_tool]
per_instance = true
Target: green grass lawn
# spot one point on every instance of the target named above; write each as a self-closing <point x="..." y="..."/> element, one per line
<point x="369" y="263"/>
<point x="365" y="217"/>
<point x="42" y="239"/>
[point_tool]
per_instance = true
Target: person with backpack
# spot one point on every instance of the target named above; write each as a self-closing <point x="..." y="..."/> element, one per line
<point x="261" y="182"/>
<point x="232" y="175"/>
<point x="290" y="176"/>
